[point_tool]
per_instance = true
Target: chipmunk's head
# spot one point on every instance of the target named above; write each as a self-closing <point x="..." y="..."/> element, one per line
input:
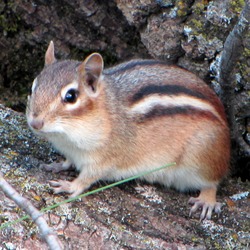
<point x="64" y="96"/>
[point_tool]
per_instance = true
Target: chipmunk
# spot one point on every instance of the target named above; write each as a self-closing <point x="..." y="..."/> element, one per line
<point x="139" y="115"/>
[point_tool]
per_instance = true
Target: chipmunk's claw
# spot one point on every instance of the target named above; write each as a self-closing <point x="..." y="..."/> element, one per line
<point x="73" y="188"/>
<point x="61" y="186"/>
<point x="207" y="202"/>
<point x="206" y="207"/>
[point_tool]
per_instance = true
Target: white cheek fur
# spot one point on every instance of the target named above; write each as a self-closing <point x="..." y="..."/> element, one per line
<point x="76" y="132"/>
<point x="72" y="106"/>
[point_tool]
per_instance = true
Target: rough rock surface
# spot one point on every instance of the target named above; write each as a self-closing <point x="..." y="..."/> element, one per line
<point x="131" y="216"/>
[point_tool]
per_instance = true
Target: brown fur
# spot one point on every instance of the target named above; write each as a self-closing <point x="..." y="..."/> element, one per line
<point x="138" y="115"/>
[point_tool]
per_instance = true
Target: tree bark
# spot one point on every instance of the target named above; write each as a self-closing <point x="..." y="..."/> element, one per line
<point x="233" y="48"/>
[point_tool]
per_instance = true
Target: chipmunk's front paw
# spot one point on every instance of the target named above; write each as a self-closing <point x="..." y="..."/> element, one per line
<point x="73" y="188"/>
<point x="56" y="167"/>
<point x="61" y="186"/>
<point x="53" y="167"/>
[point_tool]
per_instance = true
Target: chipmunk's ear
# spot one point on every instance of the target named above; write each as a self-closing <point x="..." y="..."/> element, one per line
<point x="50" y="54"/>
<point x="90" y="72"/>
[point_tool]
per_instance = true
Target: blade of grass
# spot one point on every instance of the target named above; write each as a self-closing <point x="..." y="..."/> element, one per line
<point x="87" y="194"/>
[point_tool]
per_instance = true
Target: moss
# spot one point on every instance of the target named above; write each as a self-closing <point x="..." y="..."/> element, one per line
<point x="246" y="52"/>
<point x="243" y="65"/>
<point x="217" y="246"/>
<point x="9" y="21"/>
<point x="198" y="28"/>
<point x="6" y="25"/>
<point x="199" y="8"/>
<point x="237" y="5"/>
<point x="182" y="8"/>
<point x="243" y="69"/>
<point x="197" y="24"/>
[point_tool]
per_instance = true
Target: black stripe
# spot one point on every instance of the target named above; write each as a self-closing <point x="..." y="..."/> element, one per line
<point x="127" y="66"/>
<point x="165" y="90"/>
<point x="159" y="111"/>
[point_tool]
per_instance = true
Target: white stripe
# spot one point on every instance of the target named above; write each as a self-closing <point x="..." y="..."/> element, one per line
<point x="148" y="103"/>
<point x="34" y="85"/>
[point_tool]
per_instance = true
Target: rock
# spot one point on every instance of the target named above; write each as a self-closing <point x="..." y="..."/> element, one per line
<point x="162" y="38"/>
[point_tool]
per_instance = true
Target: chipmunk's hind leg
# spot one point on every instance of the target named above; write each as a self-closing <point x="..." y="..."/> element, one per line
<point x="207" y="202"/>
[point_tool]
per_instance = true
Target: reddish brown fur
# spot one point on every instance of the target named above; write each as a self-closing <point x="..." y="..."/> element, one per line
<point x="115" y="130"/>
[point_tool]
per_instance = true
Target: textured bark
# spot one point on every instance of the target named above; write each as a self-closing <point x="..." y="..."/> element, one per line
<point x="47" y="233"/>
<point x="233" y="48"/>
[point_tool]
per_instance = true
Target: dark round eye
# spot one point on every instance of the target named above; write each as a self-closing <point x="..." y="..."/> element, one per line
<point x="71" y="96"/>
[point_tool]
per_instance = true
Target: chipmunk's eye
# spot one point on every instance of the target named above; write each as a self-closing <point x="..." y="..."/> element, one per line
<point x="71" y="96"/>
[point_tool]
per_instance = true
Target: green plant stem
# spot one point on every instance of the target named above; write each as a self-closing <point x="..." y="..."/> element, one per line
<point x="87" y="194"/>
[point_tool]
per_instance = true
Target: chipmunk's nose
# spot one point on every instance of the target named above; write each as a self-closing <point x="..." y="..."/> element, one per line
<point x="37" y="124"/>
